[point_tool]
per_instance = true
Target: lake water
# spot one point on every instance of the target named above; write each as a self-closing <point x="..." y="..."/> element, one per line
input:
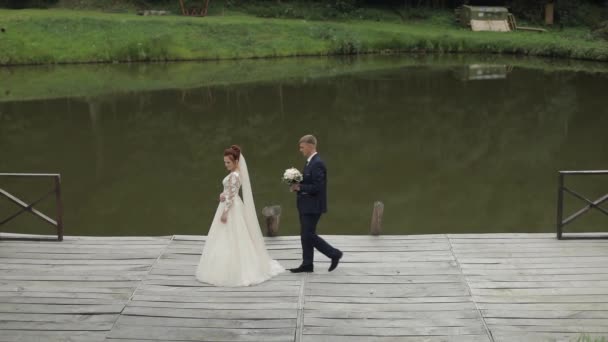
<point x="450" y="145"/>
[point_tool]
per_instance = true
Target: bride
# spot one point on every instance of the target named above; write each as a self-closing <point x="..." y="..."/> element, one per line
<point x="234" y="252"/>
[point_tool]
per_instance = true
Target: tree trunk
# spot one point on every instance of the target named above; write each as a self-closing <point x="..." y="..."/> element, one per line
<point x="549" y="12"/>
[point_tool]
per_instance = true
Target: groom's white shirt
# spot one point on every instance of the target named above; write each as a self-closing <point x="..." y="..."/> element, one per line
<point x="310" y="158"/>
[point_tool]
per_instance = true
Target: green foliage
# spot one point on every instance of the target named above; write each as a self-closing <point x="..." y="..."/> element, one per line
<point x="298" y="10"/>
<point x="27" y="3"/>
<point x="601" y="31"/>
<point x="568" y="13"/>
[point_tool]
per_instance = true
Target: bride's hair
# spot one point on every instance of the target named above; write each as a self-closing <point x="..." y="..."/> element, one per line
<point x="233" y="152"/>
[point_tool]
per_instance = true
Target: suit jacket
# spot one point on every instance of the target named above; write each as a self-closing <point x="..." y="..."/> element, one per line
<point x="312" y="197"/>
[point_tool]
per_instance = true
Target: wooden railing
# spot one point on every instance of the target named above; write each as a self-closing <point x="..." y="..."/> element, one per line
<point x="25" y="207"/>
<point x="195" y="11"/>
<point x="561" y="222"/>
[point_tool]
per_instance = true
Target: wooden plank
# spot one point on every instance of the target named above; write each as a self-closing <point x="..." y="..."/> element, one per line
<point x="539" y="292"/>
<point x="18" y="317"/>
<point x="402" y="331"/>
<point x="188" y="275"/>
<point x="210" y="314"/>
<point x="54" y="326"/>
<point x="93" y="244"/>
<point x="538" y="284"/>
<point x="381" y="263"/>
<point x="360" y="246"/>
<point x="583" y="271"/>
<point x="385" y="279"/>
<point x="58" y="288"/>
<point x="67" y="284"/>
<point x="536" y="278"/>
<point x="599" y="252"/>
<point x="543" y="314"/>
<point x="388" y="300"/>
<point x="65" y="294"/>
<point x="61" y="309"/>
<point x="536" y="337"/>
<point x="73" y="278"/>
<point x="216" y="306"/>
<point x="440" y="270"/>
<point x="564" y="328"/>
<point x="542" y="299"/>
<point x="530" y="240"/>
<point x="545" y="306"/>
<point x="195" y="283"/>
<point x="563" y="261"/>
<point x="518" y="236"/>
<point x="393" y="323"/>
<point x="531" y="265"/>
<point x="391" y="307"/>
<point x="163" y="267"/>
<point x="206" y="323"/>
<point x="66" y="256"/>
<point x="186" y="293"/>
<point x="79" y="248"/>
<point x="200" y="334"/>
<point x="215" y="299"/>
<point x="547" y="322"/>
<point x="387" y="290"/>
<point x="419" y="338"/>
<point x="72" y="262"/>
<point x="206" y="288"/>
<point x="92" y="239"/>
<point x="52" y="336"/>
<point x="337" y="313"/>
<point x="62" y="301"/>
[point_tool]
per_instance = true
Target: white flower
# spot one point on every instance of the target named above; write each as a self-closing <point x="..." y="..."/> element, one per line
<point x="292" y="176"/>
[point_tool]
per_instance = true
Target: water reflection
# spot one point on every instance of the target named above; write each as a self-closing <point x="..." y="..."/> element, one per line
<point x="444" y="154"/>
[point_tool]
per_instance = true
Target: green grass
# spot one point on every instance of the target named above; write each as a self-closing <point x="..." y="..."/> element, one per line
<point x="67" y="36"/>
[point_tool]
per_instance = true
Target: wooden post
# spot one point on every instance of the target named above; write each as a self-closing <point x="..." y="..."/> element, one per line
<point x="560" y="205"/>
<point x="549" y="12"/>
<point x="272" y="217"/>
<point x="378" y="212"/>
<point x="181" y="5"/>
<point x="59" y="208"/>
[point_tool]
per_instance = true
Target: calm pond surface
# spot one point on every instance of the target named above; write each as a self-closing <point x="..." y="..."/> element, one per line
<point x="450" y="145"/>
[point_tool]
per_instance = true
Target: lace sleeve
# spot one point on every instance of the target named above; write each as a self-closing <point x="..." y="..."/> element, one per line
<point x="232" y="190"/>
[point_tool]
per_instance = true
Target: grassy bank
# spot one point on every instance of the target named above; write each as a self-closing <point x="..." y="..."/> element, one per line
<point x="65" y="36"/>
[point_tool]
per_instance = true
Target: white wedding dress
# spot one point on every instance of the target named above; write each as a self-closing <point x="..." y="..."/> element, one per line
<point x="235" y="253"/>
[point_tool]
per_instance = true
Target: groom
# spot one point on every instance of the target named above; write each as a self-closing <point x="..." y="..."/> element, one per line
<point x="312" y="203"/>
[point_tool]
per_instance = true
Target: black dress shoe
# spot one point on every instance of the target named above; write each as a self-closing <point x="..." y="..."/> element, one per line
<point x="303" y="269"/>
<point x="335" y="261"/>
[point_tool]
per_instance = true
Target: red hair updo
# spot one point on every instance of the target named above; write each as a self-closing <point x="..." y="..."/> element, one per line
<point x="233" y="152"/>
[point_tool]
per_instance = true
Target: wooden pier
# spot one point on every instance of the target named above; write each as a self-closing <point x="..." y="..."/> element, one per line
<point x="469" y="288"/>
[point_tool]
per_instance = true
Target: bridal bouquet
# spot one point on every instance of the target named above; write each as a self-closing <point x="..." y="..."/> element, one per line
<point x="292" y="176"/>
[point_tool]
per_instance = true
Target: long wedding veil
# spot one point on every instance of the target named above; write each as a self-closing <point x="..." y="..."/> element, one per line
<point x="251" y="218"/>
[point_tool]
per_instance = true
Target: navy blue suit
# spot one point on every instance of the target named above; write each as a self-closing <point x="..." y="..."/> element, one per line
<point x="312" y="203"/>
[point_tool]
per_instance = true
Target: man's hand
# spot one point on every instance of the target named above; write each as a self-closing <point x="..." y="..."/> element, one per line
<point x="294" y="187"/>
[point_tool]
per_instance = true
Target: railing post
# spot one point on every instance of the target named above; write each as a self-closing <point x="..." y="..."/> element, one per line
<point x="59" y="208"/>
<point x="272" y="215"/>
<point x="560" y="205"/>
<point x="377" y="213"/>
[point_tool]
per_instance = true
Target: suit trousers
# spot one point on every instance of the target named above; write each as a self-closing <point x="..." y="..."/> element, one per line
<point x="310" y="239"/>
